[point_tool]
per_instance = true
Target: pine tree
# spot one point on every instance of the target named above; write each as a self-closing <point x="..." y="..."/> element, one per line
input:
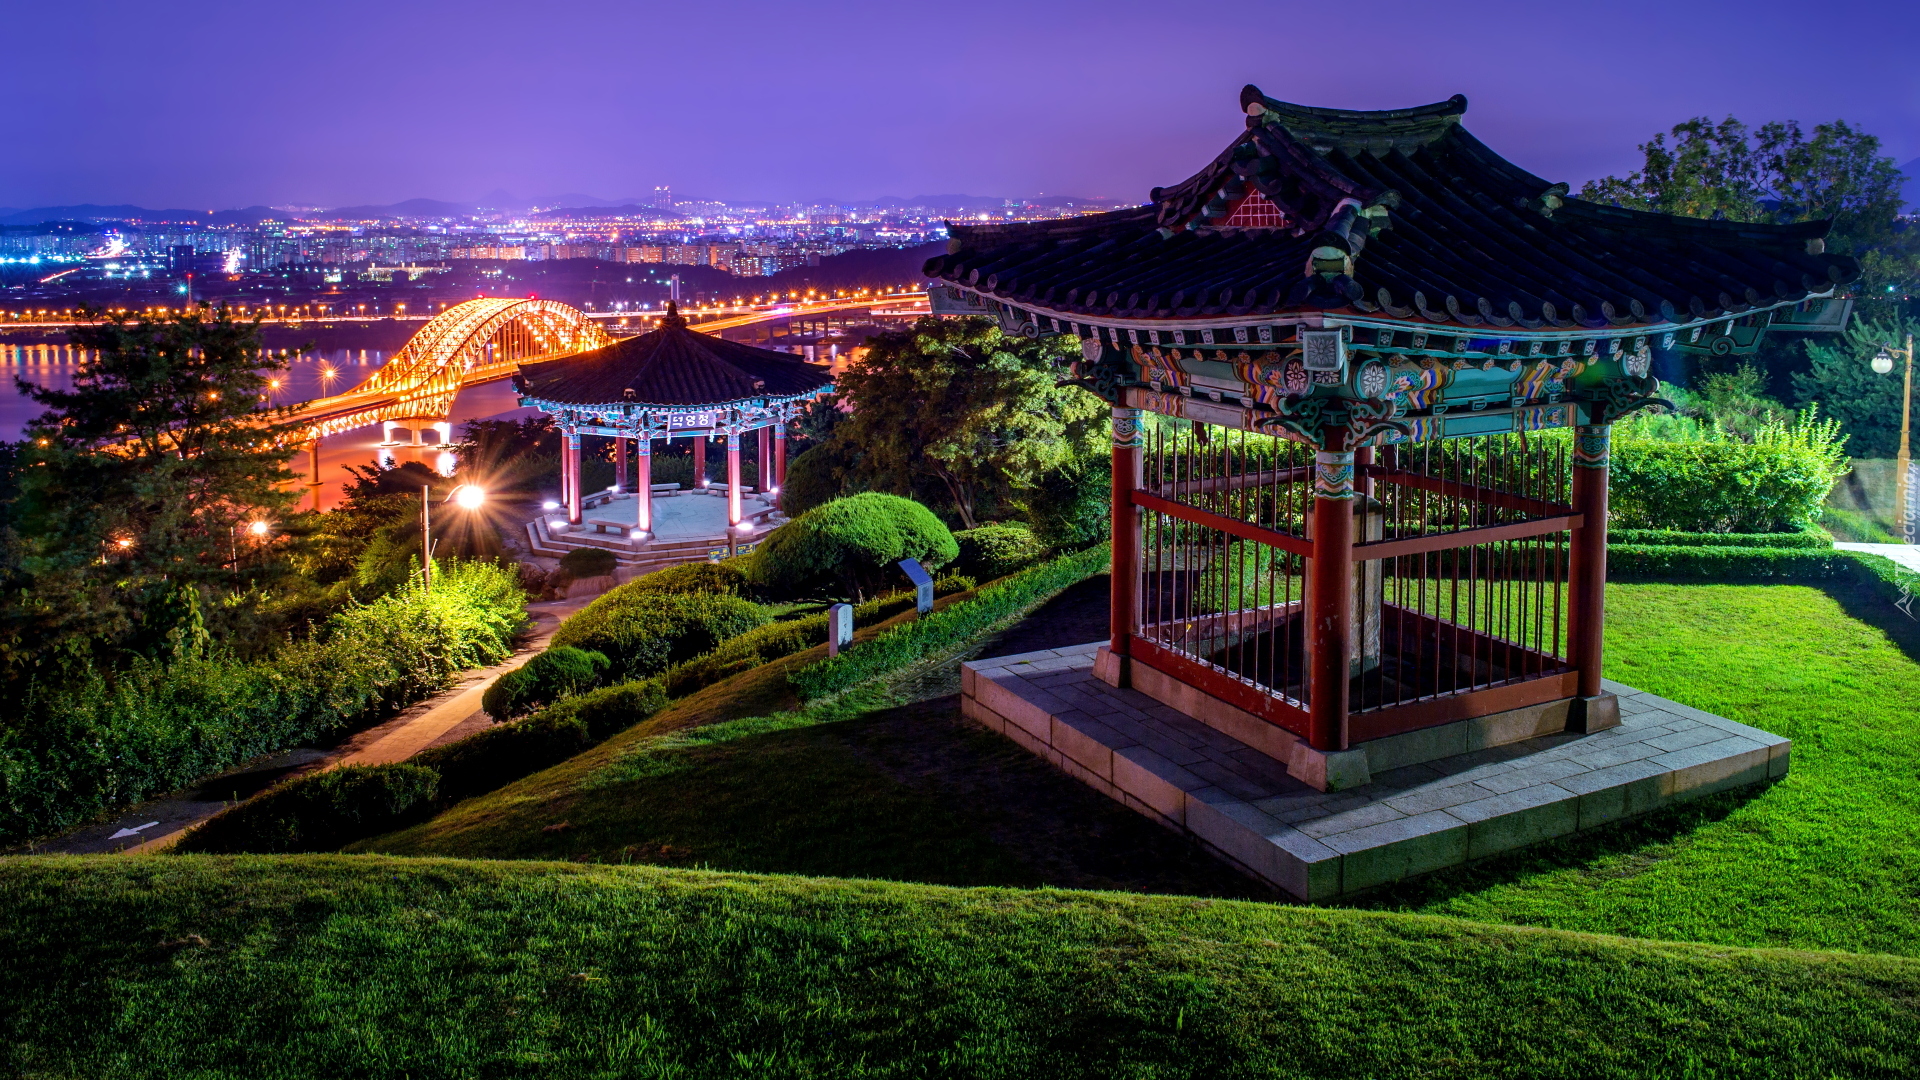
<point x="136" y="490"/>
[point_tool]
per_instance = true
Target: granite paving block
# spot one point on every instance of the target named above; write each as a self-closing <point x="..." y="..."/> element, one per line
<point x="1531" y="774"/>
<point x="1399" y="849"/>
<point x="1436" y="797"/>
<point x="1357" y="818"/>
<point x="1411" y="819"/>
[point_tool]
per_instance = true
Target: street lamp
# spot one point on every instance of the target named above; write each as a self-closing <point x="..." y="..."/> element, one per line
<point x="1883" y="363"/>
<point x="466" y="497"/>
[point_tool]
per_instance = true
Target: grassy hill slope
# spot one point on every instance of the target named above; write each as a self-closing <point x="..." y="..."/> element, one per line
<point x="329" y="966"/>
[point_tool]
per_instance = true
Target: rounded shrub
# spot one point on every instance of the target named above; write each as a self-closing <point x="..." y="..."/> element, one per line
<point x="729" y="578"/>
<point x="559" y="672"/>
<point x="814" y="478"/>
<point x="993" y="551"/>
<point x="644" y="633"/>
<point x="588" y="562"/>
<point x="851" y="545"/>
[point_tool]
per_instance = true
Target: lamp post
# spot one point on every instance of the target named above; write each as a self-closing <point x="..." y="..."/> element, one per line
<point x="1883" y="363"/>
<point x="466" y="497"/>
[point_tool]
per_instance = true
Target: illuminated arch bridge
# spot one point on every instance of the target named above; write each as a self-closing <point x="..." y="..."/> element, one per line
<point x="478" y="341"/>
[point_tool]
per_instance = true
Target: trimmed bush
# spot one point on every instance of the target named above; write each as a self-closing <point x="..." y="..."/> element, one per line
<point x="558" y="672"/>
<point x="644" y="633"/>
<point x="68" y="755"/>
<point x="994" y="551"/>
<point x="588" y="562"/>
<point x="948" y="584"/>
<point x="911" y="642"/>
<point x="1807" y="540"/>
<point x="814" y="477"/>
<point x="500" y="755"/>
<point x="851" y="544"/>
<point x="319" y="811"/>
<point x="728" y="578"/>
<point x="1726" y="563"/>
<point x="1718" y="487"/>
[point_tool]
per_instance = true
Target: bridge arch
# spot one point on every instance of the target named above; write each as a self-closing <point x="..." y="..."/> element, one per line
<point x="463" y="344"/>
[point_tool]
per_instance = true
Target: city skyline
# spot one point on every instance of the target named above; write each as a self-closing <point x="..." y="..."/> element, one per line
<point x="219" y="106"/>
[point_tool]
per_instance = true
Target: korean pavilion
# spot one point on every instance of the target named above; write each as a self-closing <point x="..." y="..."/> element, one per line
<point x="671" y="382"/>
<point x="1341" y="360"/>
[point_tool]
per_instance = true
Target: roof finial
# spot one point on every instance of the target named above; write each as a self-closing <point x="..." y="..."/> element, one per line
<point x="672" y="320"/>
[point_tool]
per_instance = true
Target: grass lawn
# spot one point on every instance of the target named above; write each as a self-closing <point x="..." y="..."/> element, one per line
<point x="332" y="966"/>
<point x="1829" y="858"/>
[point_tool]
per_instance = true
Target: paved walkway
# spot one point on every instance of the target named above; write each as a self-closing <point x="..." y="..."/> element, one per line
<point x="1907" y="555"/>
<point x="445" y="717"/>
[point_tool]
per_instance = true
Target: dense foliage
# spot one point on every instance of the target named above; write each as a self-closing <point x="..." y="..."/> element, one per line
<point x="727" y="578"/>
<point x="644" y="633"/>
<point x="954" y="409"/>
<point x="851" y="545"/>
<point x="1711" y="483"/>
<point x="319" y="812"/>
<point x="501" y="754"/>
<point x="129" y="530"/>
<point x="1840" y="377"/>
<point x="102" y="742"/>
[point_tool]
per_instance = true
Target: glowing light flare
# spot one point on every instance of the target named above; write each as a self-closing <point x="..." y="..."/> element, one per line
<point x="469" y="496"/>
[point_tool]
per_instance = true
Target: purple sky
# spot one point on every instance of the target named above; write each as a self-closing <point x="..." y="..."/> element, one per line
<point x="212" y="105"/>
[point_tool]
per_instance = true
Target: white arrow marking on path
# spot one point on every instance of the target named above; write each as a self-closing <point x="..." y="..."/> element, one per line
<point x="135" y="831"/>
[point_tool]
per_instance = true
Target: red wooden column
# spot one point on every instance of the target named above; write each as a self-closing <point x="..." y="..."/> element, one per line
<point x="763" y="466"/>
<point x="1587" y="569"/>
<point x="572" y="465"/>
<point x="1123" y="614"/>
<point x="643" y="484"/>
<point x="620" y="462"/>
<point x="1329" y="581"/>
<point x="780" y="455"/>
<point x="700" y="460"/>
<point x="733" y="478"/>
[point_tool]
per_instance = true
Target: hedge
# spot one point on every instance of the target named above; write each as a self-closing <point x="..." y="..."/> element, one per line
<point x="324" y="811"/>
<point x="775" y="640"/>
<point x="644" y="633"/>
<point x="1809" y="540"/>
<point x="319" y="812"/>
<point x="946" y="628"/>
<point x="1889" y="579"/>
<point x="1717" y="487"/>
<point x="75" y="752"/>
<point x="500" y="755"/>
<point x="994" y="551"/>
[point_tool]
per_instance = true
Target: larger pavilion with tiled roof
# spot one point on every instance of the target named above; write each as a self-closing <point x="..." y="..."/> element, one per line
<point x="1342" y="359"/>
<point x="672" y="382"/>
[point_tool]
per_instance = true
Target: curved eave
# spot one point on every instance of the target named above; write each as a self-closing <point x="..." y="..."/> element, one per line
<point x="625" y="407"/>
<point x="1349" y="316"/>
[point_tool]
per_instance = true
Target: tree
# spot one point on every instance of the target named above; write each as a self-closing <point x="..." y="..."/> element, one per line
<point x="1867" y="404"/>
<point x="957" y="401"/>
<point x="1779" y="174"/>
<point x="138" y="488"/>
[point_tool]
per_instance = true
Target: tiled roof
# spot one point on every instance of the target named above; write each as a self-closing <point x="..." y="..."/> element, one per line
<point x="671" y="366"/>
<point x="1399" y="211"/>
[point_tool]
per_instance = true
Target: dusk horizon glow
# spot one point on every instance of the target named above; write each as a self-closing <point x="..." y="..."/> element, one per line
<point x="220" y="105"/>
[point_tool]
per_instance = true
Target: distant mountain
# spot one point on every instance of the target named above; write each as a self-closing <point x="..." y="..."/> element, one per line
<point x="629" y="209"/>
<point x="1912" y="188"/>
<point x="94" y="212"/>
<point x="412" y="208"/>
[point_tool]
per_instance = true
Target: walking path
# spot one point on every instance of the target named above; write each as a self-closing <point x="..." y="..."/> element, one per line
<point x="1907" y="555"/>
<point x="452" y="714"/>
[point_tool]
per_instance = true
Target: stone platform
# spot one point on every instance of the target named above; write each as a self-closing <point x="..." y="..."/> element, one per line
<point x="1407" y="821"/>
